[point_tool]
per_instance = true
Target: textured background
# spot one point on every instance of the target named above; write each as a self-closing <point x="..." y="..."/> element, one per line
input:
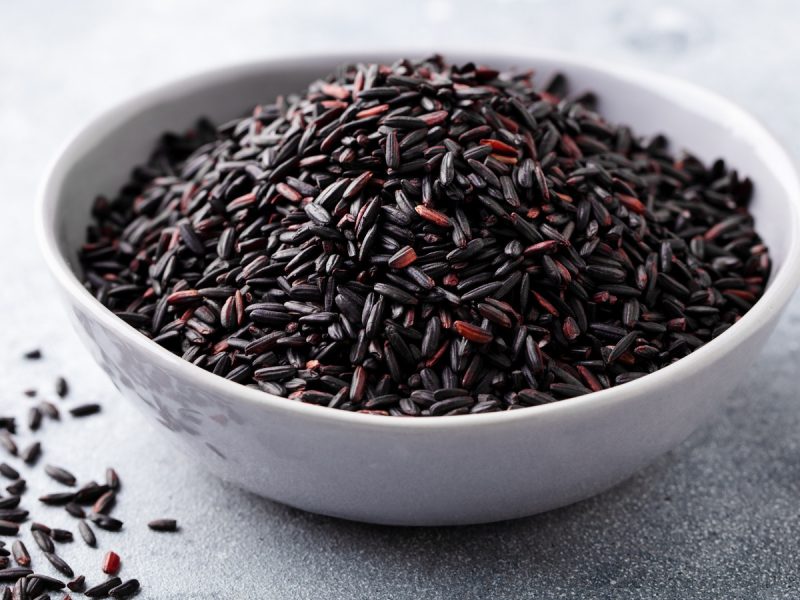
<point x="717" y="518"/>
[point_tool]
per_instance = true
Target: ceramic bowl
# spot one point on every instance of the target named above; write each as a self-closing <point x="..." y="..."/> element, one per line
<point x="428" y="471"/>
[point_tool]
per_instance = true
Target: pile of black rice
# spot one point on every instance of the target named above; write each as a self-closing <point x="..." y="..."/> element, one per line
<point x="21" y="572"/>
<point x="427" y="239"/>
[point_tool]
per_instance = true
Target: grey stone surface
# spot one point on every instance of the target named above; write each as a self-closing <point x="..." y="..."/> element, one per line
<point x="716" y="518"/>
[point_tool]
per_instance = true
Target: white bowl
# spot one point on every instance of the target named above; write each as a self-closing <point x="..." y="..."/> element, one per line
<point x="428" y="471"/>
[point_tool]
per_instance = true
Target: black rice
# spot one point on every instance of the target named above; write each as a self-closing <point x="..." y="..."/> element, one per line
<point x="8" y="471"/>
<point x="61" y="535"/>
<point x="20" y="553"/>
<point x="17" y="487"/>
<point x="34" y="418"/>
<point x="43" y="540"/>
<point x="112" y="479"/>
<point x="163" y="525"/>
<point x="101" y="590"/>
<point x="8" y="443"/>
<point x="402" y="228"/>
<point x="106" y="522"/>
<point x="14" y="573"/>
<point x="59" y="474"/>
<point x="78" y="584"/>
<point x="8" y="527"/>
<point x="31" y="453"/>
<point x="62" y="387"/>
<point x="104" y="503"/>
<point x="16" y="515"/>
<point x="59" y="563"/>
<point x="46" y="582"/>
<point x="57" y="498"/>
<point x="125" y="589"/>
<point x="75" y="510"/>
<point x="87" y="534"/>
<point x="85" y="410"/>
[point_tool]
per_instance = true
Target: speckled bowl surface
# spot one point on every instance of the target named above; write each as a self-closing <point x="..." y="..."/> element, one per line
<point x="439" y="470"/>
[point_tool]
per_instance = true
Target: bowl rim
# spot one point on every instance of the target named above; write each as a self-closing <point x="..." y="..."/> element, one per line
<point x="783" y="284"/>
